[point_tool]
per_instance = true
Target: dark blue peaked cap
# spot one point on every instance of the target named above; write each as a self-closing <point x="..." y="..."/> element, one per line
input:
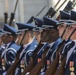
<point x="67" y="18"/>
<point x="3" y="32"/>
<point x="64" y="15"/>
<point x="73" y="15"/>
<point x="22" y="26"/>
<point x="10" y="29"/>
<point x="51" y="22"/>
<point x="38" y="22"/>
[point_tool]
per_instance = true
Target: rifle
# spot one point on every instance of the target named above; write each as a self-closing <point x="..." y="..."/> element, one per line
<point x="13" y="14"/>
<point x="30" y="20"/>
<point x="38" y="67"/>
<point x="52" y="68"/>
<point x="60" y="71"/>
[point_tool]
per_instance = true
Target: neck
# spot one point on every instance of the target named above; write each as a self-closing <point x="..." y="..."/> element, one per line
<point x="28" y="41"/>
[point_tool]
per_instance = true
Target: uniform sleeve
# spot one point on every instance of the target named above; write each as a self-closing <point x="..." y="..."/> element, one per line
<point x="10" y="56"/>
<point x="27" y="57"/>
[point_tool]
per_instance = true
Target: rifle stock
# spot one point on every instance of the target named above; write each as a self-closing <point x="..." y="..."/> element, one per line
<point x="60" y="71"/>
<point x="36" y="70"/>
<point x="52" y="68"/>
<point x="11" y="70"/>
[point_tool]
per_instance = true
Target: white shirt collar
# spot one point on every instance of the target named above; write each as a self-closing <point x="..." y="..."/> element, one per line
<point x="51" y="44"/>
<point x="74" y="40"/>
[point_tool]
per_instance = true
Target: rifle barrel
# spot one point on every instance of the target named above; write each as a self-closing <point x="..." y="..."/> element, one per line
<point x="16" y="5"/>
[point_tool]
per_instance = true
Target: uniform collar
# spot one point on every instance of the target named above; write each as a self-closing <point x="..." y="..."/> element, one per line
<point x="51" y="44"/>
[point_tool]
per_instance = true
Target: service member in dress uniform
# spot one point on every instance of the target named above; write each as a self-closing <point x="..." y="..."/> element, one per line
<point x="29" y="43"/>
<point x="70" y="67"/>
<point x="49" y="34"/>
<point x="2" y="48"/>
<point x="69" y="43"/>
<point x="64" y="16"/>
<point x="57" y="40"/>
<point x="11" y="48"/>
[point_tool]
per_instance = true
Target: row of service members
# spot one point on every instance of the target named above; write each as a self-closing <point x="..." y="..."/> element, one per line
<point x="50" y="28"/>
